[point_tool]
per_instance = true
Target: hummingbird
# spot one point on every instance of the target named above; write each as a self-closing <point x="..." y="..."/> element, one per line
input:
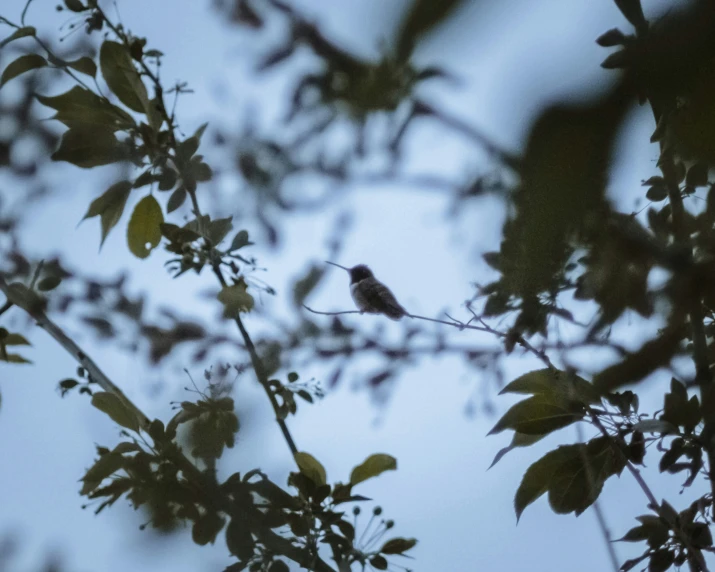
<point x="370" y="295"/>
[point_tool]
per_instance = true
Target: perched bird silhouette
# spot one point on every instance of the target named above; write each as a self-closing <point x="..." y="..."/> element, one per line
<point x="371" y="295"/>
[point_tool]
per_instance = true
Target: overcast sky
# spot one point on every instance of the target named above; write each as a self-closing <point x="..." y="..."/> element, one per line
<point x="512" y="58"/>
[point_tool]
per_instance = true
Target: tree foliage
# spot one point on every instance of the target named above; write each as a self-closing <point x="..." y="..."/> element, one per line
<point x="563" y="242"/>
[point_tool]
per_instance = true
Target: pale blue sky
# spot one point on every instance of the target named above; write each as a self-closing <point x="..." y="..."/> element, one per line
<point x="513" y="57"/>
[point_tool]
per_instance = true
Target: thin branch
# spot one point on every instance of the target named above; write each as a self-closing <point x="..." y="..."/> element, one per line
<point x="24" y="12"/>
<point x="455" y="324"/>
<point x="214" y="495"/>
<point x="19" y="298"/>
<point x="260" y="371"/>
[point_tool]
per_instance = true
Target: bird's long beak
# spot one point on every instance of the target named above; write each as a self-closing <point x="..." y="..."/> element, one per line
<point x="338" y="265"/>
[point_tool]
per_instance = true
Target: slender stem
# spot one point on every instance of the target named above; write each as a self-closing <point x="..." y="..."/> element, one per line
<point x="24" y="12"/>
<point x="260" y="371"/>
<point x="18" y="297"/>
<point x="213" y="494"/>
<point x="6" y="306"/>
<point x="454" y="324"/>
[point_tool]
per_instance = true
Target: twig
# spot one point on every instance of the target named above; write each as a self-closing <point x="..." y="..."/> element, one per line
<point x="15" y="297"/>
<point x="24" y="12"/>
<point x="214" y="494"/>
<point x="454" y="324"/>
<point x="6" y="306"/>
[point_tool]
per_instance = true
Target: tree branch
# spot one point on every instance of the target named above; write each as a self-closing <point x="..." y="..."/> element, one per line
<point x="213" y="494"/>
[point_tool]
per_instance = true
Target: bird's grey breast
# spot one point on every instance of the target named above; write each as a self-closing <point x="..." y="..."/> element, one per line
<point x="359" y="293"/>
<point x="371" y="295"/>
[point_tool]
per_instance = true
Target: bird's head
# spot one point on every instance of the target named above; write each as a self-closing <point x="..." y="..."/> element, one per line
<point x="357" y="273"/>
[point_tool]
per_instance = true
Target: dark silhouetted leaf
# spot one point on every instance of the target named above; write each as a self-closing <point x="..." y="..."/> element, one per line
<point x="397" y="545"/>
<point x="84" y="65"/>
<point x="110" y="206"/>
<point x="48" y="283"/>
<point x="239" y="540"/>
<point x="518" y="440"/>
<point x="697" y="175"/>
<point x="177" y="198"/>
<point x="206" y="528"/>
<point x="540" y="415"/>
<point x="89" y="147"/>
<point x="573" y="475"/>
<point x="122" y="77"/>
<point x="116" y="409"/>
<point x="239" y="241"/>
<point x="613" y="37"/>
<point x="17" y="34"/>
<point x="79" y="107"/>
<point x="20" y="66"/>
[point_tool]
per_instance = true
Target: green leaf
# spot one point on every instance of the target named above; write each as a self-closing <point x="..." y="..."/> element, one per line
<point x="84" y="65"/>
<point x="311" y="468"/>
<point x="235" y="299"/>
<point x="89" y="147"/>
<point x="518" y="440"/>
<point x="206" y="528"/>
<point x="144" y="232"/>
<point x="22" y="65"/>
<point x="122" y="77"/>
<point x="17" y="34"/>
<point x="373" y="466"/>
<point x="378" y="562"/>
<point x="177" y="198"/>
<point x="397" y="545"/>
<point x="14" y="340"/>
<point x="110" y="206"/>
<point x="239" y="241"/>
<point x="554" y="382"/>
<point x="80" y="107"/>
<point x="12" y="358"/>
<point x="540" y="415"/>
<point x="573" y="475"/>
<point x="116" y="409"/>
